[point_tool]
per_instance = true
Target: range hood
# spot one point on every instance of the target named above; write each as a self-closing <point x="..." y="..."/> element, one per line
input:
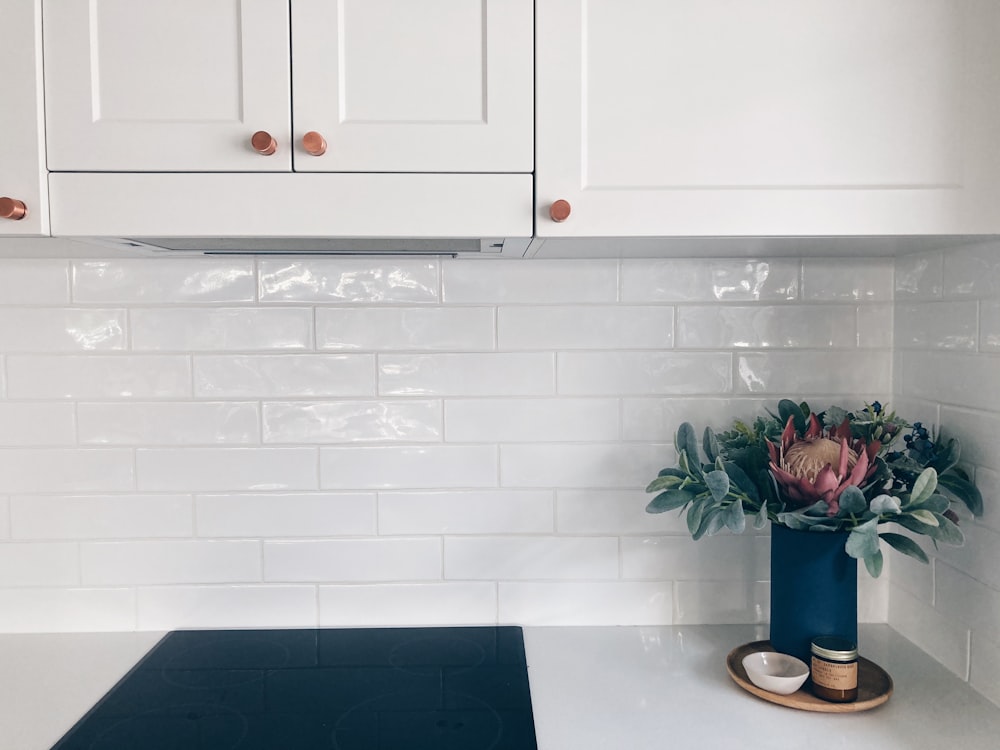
<point x="469" y="215"/>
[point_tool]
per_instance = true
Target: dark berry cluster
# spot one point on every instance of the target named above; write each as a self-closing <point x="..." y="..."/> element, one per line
<point x="919" y="444"/>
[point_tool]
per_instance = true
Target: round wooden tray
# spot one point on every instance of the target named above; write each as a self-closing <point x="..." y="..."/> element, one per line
<point x="874" y="685"/>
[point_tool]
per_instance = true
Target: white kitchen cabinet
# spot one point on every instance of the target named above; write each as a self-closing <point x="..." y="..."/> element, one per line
<point x="773" y="118"/>
<point x="389" y="85"/>
<point x="24" y="207"/>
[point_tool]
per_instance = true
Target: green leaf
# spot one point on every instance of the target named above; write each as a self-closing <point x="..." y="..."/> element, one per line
<point x="735" y="518"/>
<point x="760" y="519"/>
<point x="925" y="516"/>
<point x="694" y="514"/>
<point x="718" y="484"/>
<point x="935" y="503"/>
<point x="671" y="472"/>
<point x="962" y="490"/>
<point x="687" y="442"/>
<point x="948" y="531"/>
<point x="669" y="500"/>
<point x="874" y="564"/>
<point x="885" y="505"/>
<point x="862" y="542"/>
<point x="662" y="483"/>
<point x="925" y="486"/>
<point x="788" y="408"/>
<point x="710" y="444"/>
<point x="852" y="500"/>
<point x="905" y="545"/>
<point x="948" y="457"/>
<point x="740" y="478"/>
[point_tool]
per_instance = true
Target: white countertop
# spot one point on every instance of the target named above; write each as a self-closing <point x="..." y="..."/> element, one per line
<point x="591" y="687"/>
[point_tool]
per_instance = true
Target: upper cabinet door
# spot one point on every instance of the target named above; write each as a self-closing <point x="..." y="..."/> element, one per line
<point x="413" y="86"/>
<point x="777" y="117"/>
<point x="170" y="85"/>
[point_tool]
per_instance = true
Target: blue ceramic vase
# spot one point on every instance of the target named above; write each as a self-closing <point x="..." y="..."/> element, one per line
<point x="814" y="589"/>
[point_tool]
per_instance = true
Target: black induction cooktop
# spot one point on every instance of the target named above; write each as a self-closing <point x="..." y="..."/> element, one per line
<point x="461" y="688"/>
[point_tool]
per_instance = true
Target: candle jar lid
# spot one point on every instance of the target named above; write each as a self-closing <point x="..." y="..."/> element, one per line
<point x="834" y="648"/>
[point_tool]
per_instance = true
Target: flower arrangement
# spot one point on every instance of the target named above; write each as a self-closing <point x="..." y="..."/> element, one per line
<point x="822" y="472"/>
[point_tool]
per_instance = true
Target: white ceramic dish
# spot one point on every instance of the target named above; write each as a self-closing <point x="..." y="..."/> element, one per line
<point x="774" y="672"/>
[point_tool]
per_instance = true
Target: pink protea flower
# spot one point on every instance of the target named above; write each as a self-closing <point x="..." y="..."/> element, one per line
<point x="818" y="466"/>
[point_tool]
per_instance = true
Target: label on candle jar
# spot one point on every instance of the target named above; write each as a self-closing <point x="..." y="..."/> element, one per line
<point x="835" y="675"/>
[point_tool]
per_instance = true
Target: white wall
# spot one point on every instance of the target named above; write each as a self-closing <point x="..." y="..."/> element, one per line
<point x="230" y="442"/>
<point x="947" y="369"/>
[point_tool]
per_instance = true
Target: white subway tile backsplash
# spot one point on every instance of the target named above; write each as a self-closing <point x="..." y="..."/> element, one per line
<point x="135" y="280"/>
<point x="401" y="604"/>
<point x="170" y="562"/>
<point x="39" y="564"/>
<point x="976" y="427"/>
<point x="875" y="326"/>
<point x="597" y="603"/>
<point x="973" y="271"/>
<point x="240" y="606"/>
<point x="50" y="610"/>
<point x="168" y="423"/>
<point x="284" y="375"/>
<point x="723" y="557"/>
<point x="949" y="378"/>
<point x="714" y="602"/>
<point x="467" y="374"/>
<point x="349" y="280"/>
<point x="579" y="465"/>
<point x="465" y="512"/>
<point x="613" y="512"/>
<point x="861" y="279"/>
<point x="401" y="467"/>
<point x="405" y="328"/>
<point x="969" y="601"/>
<point x="539" y="282"/>
<point x="266" y="515"/>
<point x="127" y="516"/>
<point x="984" y="668"/>
<point x="644" y="373"/>
<point x="352" y="421"/>
<point x="937" y="325"/>
<point x="225" y="469"/>
<point x="98" y="376"/>
<point x="505" y="420"/>
<point x="934" y="632"/>
<point x="657" y="419"/>
<point x="989" y="326"/>
<point x="585" y="327"/>
<point x="919" y="276"/>
<point x="530" y="558"/>
<point x="4" y="518"/>
<point x="784" y="326"/>
<point x="353" y="560"/>
<point x="205" y="329"/>
<point x="42" y="470"/>
<point x="709" y="280"/>
<point x="34" y="282"/>
<point x="786" y="373"/>
<point x="37" y="424"/>
<point x="66" y="329"/>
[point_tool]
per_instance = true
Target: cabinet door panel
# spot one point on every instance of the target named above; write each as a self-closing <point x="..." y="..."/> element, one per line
<point x="710" y="117"/>
<point x="396" y="85"/>
<point x="178" y="85"/>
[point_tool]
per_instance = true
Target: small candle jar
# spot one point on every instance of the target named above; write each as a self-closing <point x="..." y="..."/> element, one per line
<point x="834" y="669"/>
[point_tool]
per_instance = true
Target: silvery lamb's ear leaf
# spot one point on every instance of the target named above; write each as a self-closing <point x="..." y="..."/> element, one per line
<point x="874" y="564"/>
<point x="687" y="442"/>
<point x="885" y="505"/>
<point x="963" y="490"/>
<point x="710" y="444"/>
<point x="760" y="519"/>
<point x="669" y="500"/>
<point x="925" y="486"/>
<point x="736" y="520"/>
<point x="905" y="545"/>
<point x="862" y="542"/>
<point x="718" y="484"/>
<point x="852" y="500"/>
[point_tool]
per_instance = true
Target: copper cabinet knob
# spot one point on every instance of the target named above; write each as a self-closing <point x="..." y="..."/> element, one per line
<point x="263" y="143"/>
<point x="559" y="211"/>
<point x="314" y="143"/>
<point x="13" y="209"/>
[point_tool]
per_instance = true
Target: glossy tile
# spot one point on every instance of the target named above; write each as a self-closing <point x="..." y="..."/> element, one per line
<point x="709" y="280"/>
<point x="349" y="280"/>
<point x="58" y="470"/>
<point x="284" y="375"/>
<point x="505" y="420"/>
<point x="581" y="466"/>
<point x="353" y="560"/>
<point x="977" y="429"/>
<point x="785" y="326"/>
<point x="657" y="419"/>
<point x="971" y="602"/>
<point x="206" y="329"/>
<point x="644" y="373"/>
<point x="937" y="325"/>
<point x="973" y="271"/>
<point x="37" y="424"/>
<point x="613" y="512"/>
<point x="541" y="281"/>
<point x="63" y="610"/>
<point x="721" y="602"/>
<point x="875" y="326"/>
<point x="173" y="607"/>
<point x="465" y="512"/>
<point x="168" y="423"/>
<point x="401" y="467"/>
<point x="530" y="558"/>
<point x="195" y="469"/>
<point x="127" y="516"/>
<point x="405" y="328"/>
<point x="401" y="604"/>
<point x="34" y="282"/>
<point x="39" y="564"/>
<point x="859" y="279"/>
<point x="43" y="330"/>
<point x="949" y="378"/>
<point x="985" y="667"/>
<point x="989" y="326"/>
<point x="864" y="372"/>
<point x="268" y="515"/>
<point x="723" y="557"/>
<point x="169" y="562"/>
<point x="600" y="603"/>
<point x="92" y="376"/>
<point x="583" y="327"/>
<point x="467" y="374"/>
<point x="136" y="280"/>
<point x="352" y="421"/>
<point x="919" y="276"/>
<point x="941" y="637"/>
